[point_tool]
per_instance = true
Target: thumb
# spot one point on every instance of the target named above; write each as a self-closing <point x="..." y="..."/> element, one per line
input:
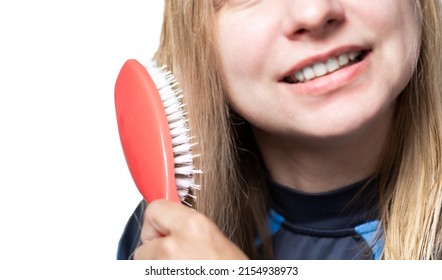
<point x="160" y="219"/>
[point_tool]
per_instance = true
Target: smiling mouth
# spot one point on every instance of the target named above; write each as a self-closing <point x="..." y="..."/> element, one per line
<point x="320" y="69"/>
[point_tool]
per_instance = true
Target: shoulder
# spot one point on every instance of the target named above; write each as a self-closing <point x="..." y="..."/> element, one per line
<point x="130" y="238"/>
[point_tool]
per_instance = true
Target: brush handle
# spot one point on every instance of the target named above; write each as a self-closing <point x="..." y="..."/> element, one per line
<point x="144" y="133"/>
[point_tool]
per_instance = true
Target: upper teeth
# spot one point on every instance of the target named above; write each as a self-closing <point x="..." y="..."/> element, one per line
<point x="321" y="68"/>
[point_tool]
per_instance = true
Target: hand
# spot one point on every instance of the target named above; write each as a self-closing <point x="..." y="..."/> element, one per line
<point x="173" y="231"/>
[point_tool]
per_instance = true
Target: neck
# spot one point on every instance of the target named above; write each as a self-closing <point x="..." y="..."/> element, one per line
<point x="315" y="165"/>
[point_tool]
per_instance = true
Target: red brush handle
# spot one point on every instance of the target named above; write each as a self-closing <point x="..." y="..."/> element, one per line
<point x="144" y="133"/>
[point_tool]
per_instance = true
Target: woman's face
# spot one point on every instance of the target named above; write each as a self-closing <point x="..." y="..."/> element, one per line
<point x="316" y="68"/>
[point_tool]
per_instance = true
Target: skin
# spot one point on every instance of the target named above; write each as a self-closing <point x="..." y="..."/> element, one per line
<point x="172" y="231"/>
<point x="330" y="132"/>
<point x="320" y="135"/>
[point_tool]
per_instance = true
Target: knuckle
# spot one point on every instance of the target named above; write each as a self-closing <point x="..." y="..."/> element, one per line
<point x="198" y="223"/>
<point x="157" y="250"/>
<point x="167" y="250"/>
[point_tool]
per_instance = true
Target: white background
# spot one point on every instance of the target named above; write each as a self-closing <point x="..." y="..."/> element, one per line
<point x="65" y="190"/>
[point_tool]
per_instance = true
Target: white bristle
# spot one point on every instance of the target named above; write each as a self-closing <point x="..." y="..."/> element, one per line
<point x="182" y="193"/>
<point x="168" y="101"/>
<point x="171" y="96"/>
<point x="186" y="184"/>
<point x="178" y="131"/>
<point x="185" y="170"/>
<point x="184" y="159"/>
<point x="179" y="140"/>
<point x="183" y="148"/>
<point x="176" y="117"/>
<point x="178" y="123"/>
<point x="174" y="108"/>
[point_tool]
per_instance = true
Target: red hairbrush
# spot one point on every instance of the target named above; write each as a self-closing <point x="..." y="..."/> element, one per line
<point x="154" y="133"/>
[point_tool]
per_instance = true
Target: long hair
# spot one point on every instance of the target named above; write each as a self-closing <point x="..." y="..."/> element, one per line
<point x="410" y="188"/>
<point x="233" y="188"/>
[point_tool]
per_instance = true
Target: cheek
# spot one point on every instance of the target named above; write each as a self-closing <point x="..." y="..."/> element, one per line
<point x="237" y="57"/>
<point x="405" y="51"/>
<point x="395" y="28"/>
<point x="244" y="44"/>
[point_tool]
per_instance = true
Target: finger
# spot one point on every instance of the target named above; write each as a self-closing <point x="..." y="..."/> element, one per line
<point x="156" y="249"/>
<point x="160" y="217"/>
<point x="166" y="217"/>
<point x="149" y="232"/>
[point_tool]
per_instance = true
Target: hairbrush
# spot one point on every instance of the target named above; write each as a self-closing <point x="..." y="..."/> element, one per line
<point x="154" y="133"/>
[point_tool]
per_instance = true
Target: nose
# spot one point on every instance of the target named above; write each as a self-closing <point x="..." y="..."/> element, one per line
<point x="315" y="18"/>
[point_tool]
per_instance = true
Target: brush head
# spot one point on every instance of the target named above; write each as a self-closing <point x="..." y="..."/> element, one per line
<point x="154" y="132"/>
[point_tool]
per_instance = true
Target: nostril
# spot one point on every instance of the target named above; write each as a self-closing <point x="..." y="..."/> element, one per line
<point x="301" y="31"/>
<point x="332" y="22"/>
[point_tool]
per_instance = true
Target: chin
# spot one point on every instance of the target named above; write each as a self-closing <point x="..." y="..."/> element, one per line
<point x="334" y="131"/>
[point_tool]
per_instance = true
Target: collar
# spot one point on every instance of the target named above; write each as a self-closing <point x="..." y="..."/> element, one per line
<point x="344" y="208"/>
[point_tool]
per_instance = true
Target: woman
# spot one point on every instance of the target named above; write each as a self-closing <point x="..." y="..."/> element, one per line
<point x="319" y="128"/>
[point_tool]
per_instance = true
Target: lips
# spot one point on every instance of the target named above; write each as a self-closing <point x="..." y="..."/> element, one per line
<point x="320" y="66"/>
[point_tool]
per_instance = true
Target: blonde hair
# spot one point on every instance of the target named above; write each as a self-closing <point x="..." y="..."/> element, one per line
<point x="233" y="189"/>
<point x="411" y="175"/>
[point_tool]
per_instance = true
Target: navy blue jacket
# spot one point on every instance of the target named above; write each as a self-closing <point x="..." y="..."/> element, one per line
<point x="341" y="224"/>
